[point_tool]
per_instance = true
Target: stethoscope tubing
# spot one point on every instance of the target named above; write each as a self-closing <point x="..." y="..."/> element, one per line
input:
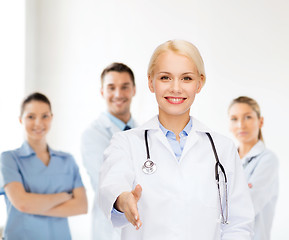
<point x="149" y="167"/>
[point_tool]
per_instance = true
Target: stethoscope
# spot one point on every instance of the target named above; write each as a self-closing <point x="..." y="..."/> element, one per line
<point x="150" y="167"/>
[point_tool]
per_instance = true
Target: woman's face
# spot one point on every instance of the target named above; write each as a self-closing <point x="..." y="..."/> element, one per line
<point x="175" y="82"/>
<point x="244" y="123"/>
<point x="36" y="120"/>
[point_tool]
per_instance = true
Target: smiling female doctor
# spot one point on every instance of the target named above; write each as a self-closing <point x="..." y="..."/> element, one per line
<point x="161" y="177"/>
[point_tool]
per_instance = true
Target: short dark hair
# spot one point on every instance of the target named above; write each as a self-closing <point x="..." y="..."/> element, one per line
<point x="36" y="96"/>
<point x="117" y="67"/>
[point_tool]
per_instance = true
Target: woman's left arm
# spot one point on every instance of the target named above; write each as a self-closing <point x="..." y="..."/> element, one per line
<point x="75" y="206"/>
<point x="264" y="181"/>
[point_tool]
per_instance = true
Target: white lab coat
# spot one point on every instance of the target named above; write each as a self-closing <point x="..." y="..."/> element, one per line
<point x="261" y="169"/>
<point x="180" y="200"/>
<point x="95" y="140"/>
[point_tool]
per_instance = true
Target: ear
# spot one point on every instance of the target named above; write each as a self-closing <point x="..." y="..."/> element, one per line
<point x="200" y="83"/>
<point x="134" y="90"/>
<point x="101" y="91"/>
<point x="261" y="120"/>
<point x="150" y="83"/>
<point x="20" y="120"/>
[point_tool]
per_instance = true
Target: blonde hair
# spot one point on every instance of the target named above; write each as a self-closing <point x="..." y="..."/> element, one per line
<point x="181" y="47"/>
<point x="254" y="105"/>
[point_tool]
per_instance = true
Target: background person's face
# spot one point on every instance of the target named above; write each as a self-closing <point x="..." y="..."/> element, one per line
<point x="244" y="123"/>
<point x="118" y="90"/>
<point x="36" y="120"/>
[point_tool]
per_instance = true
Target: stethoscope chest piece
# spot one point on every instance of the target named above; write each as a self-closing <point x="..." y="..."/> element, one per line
<point x="149" y="167"/>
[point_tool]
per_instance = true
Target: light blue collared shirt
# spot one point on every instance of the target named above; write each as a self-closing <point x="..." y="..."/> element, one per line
<point x="120" y="124"/>
<point x="61" y="175"/>
<point x="177" y="146"/>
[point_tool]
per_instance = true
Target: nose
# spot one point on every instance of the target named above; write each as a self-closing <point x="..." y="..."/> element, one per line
<point x="38" y="121"/>
<point x="117" y="93"/>
<point x="241" y="123"/>
<point x="176" y="86"/>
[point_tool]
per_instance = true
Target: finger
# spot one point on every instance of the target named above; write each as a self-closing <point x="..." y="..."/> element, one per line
<point x="138" y="224"/>
<point x="132" y="212"/>
<point x="132" y="219"/>
<point x="137" y="192"/>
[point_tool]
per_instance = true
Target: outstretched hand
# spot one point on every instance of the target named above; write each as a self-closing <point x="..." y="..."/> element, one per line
<point x="127" y="203"/>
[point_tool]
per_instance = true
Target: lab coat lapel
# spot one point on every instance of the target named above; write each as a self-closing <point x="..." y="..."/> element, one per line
<point x="153" y="125"/>
<point x="191" y="141"/>
<point x="257" y="149"/>
<point x="193" y="137"/>
<point x="112" y="128"/>
<point x="162" y="139"/>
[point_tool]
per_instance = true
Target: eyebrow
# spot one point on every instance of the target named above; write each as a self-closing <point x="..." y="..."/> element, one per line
<point x="112" y="84"/>
<point x="33" y="113"/>
<point x="189" y="73"/>
<point x="243" y="113"/>
<point x="181" y="74"/>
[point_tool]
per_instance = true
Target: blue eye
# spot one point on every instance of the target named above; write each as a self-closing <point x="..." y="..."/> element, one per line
<point x="188" y="78"/>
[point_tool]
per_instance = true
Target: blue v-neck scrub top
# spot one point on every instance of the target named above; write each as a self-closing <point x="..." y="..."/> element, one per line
<point x="61" y="175"/>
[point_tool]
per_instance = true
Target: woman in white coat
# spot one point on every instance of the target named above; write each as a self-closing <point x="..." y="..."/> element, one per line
<point x="165" y="187"/>
<point x="259" y="163"/>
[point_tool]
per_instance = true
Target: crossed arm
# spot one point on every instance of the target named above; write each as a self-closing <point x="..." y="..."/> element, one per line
<point x="55" y="205"/>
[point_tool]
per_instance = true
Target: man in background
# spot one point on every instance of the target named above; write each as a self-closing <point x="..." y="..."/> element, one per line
<point x="118" y="89"/>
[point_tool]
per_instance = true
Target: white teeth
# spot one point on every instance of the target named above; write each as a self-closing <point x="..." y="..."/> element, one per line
<point x="175" y="100"/>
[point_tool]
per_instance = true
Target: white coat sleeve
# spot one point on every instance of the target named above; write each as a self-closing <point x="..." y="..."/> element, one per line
<point x="93" y="144"/>
<point x="264" y="181"/>
<point x="240" y="207"/>
<point x="116" y="176"/>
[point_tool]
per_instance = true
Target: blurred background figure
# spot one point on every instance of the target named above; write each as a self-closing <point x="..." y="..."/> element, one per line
<point x="117" y="89"/>
<point x="259" y="163"/>
<point x="42" y="186"/>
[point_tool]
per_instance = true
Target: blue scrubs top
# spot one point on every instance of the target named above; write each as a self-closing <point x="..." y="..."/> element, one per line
<point x="61" y="175"/>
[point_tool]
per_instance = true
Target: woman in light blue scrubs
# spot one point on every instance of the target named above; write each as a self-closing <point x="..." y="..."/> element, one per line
<point x="42" y="186"/>
<point x="259" y="163"/>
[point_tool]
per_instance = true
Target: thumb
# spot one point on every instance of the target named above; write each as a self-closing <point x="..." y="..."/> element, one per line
<point x="137" y="192"/>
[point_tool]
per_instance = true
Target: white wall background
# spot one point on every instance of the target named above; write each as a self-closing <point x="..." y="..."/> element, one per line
<point x="244" y="45"/>
<point x="12" y="69"/>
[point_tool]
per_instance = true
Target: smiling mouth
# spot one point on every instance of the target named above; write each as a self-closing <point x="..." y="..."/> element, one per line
<point x="119" y="101"/>
<point x="39" y="131"/>
<point x="175" y="100"/>
<point x="242" y="133"/>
